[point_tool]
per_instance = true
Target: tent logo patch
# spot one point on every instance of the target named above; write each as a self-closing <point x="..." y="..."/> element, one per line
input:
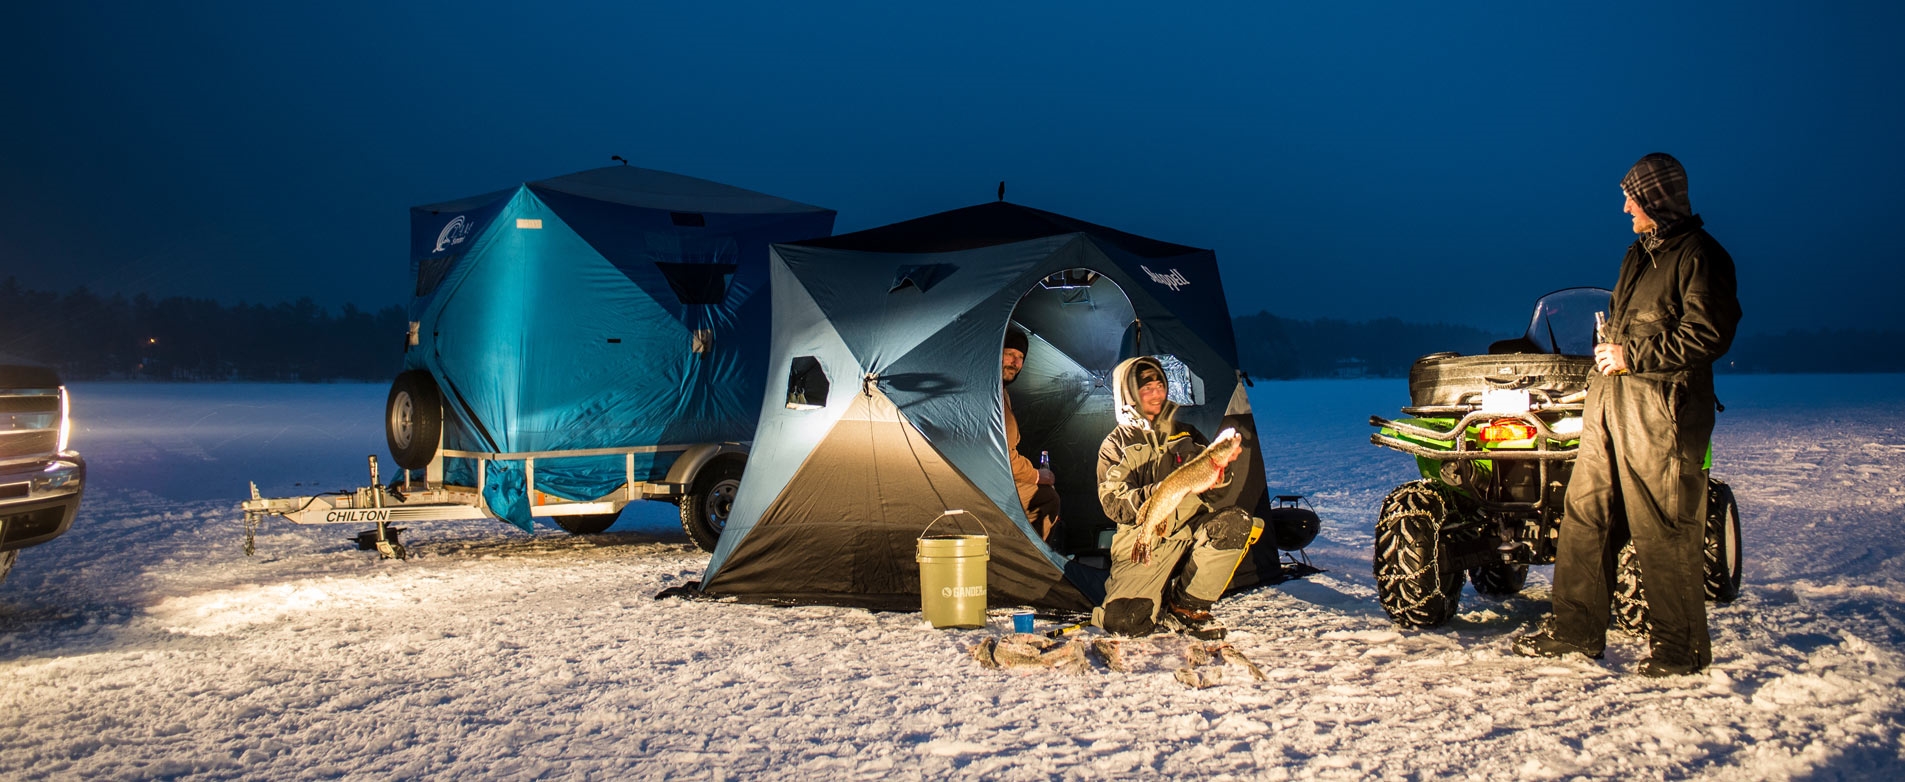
<point x="453" y="234"/>
<point x="1174" y="280"/>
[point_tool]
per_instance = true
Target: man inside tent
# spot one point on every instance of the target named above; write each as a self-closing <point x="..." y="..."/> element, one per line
<point x="1034" y="483"/>
<point x="1173" y="583"/>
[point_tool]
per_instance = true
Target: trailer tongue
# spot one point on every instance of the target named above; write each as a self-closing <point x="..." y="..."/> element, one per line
<point x="409" y="501"/>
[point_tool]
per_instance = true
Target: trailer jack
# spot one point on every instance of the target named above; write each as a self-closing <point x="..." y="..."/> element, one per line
<point x="383" y="539"/>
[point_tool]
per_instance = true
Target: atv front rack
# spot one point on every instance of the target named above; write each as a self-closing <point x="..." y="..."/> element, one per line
<point x="1453" y="444"/>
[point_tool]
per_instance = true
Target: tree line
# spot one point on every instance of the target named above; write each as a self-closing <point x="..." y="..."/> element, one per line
<point x="92" y="337"/>
<point x="1272" y="347"/>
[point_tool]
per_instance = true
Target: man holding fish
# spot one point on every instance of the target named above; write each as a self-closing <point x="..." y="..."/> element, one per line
<point x="1173" y="554"/>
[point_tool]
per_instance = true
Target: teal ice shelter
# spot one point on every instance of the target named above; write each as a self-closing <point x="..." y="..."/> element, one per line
<point x="884" y="409"/>
<point x="602" y="323"/>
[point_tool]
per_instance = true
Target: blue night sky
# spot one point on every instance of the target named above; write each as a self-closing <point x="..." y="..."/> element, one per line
<point x="1344" y="159"/>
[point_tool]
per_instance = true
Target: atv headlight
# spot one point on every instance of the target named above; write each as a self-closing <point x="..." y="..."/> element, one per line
<point x="1567" y="426"/>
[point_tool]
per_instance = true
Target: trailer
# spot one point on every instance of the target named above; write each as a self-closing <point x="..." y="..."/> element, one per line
<point x="575" y="344"/>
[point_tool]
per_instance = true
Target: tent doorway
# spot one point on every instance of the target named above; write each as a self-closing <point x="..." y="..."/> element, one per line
<point x="1082" y="324"/>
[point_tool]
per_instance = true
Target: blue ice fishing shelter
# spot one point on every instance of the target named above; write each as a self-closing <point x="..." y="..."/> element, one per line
<point x="608" y="308"/>
<point x="883" y="407"/>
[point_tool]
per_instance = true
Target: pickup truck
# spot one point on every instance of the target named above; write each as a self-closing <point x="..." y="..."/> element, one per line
<point x="40" y="480"/>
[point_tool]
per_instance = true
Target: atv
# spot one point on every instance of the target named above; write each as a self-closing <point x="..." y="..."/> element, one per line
<point x="1495" y="438"/>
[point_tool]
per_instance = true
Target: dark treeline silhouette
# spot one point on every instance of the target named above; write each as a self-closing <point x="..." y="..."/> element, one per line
<point x="92" y="337"/>
<point x="1272" y="347"/>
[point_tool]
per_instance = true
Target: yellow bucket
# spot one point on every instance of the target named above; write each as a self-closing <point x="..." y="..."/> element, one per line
<point x="952" y="578"/>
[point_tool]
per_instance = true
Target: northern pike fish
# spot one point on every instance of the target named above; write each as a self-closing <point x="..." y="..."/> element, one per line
<point x="1198" y="475"/>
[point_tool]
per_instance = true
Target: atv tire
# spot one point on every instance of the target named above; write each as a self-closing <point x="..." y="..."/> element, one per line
<point x="1629" y="604"/>
<point x="1503" y="580"/>
<point x="591" y="524"/>
<point x="1410" y="582"/>
<point x="1724" y="557"/>
<point x="704" y="511"/>
<point x="413" y="419"/>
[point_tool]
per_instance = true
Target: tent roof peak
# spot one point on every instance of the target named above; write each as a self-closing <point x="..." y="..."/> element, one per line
<point x="986" y="225"/>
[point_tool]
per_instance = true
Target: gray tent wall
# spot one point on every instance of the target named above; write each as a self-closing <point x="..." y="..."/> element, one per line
<point x="911" y="424"/>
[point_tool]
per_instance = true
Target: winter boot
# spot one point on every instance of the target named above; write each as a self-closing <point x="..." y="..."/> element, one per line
<point x="1198" y="623"/>
<point x="1544" y="645"/>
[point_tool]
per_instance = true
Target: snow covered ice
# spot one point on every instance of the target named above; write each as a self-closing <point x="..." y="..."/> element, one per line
<point x="145" y="643"/>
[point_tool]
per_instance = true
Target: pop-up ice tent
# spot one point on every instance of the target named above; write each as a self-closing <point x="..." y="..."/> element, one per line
<point x="883" y="402"/>
<point x="608" y="308"/>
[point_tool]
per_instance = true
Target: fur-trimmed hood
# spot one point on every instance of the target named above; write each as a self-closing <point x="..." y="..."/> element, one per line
<point x="1124" y="395"/>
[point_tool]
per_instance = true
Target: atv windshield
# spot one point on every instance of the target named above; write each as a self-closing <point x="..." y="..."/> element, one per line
<point x="1564" y="321"/>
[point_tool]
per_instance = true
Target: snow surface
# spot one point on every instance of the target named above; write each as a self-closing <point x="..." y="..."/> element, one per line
<point x="146" y="644"/>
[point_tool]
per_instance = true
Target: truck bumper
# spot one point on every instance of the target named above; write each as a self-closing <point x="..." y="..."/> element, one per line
<point x="38" y="501"/>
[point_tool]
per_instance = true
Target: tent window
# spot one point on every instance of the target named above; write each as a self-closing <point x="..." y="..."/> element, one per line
<point x="698" y="283"/>
<point x="1187" y="389"/>
<point x="806" y="385"/>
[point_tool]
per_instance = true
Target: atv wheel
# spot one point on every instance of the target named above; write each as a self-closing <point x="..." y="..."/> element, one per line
<point x="1503" y="580"/>
<point x="1630" y="602"/>
<point x="1724" y="557"/>
<point x="413" y="419"/>
<point x="704" y="512"/>
<point x="1410" y="583"/>
<point x="591" y="524"/>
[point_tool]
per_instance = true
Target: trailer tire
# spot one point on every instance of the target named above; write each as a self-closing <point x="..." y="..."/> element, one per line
<point x="704" y="511"/>
<point x="413" y="419"/>
<point x="591" y="524"/>
<point x="1724" y="557"/>
<point x="1411" y="583"/>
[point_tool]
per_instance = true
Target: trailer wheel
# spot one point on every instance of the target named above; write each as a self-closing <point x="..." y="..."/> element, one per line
<point x="1724" y="557"/>
<point x="1630" y="601"/>
<point x="413" y="419"/>
<point x="590" y="524"/>
<point x="6" y="563"/>
<point x="1411" y="584"/>
<point x="704" y="511"/>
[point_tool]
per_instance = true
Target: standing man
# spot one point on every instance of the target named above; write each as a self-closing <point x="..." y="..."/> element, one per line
<point x="1177" y="580"/>
<point x="1649" y="419"/>
<point x="1034" y="484"/>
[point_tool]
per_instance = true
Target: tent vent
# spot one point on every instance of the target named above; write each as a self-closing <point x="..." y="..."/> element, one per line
<point x="922" y="276"/>
<point x="807" y="385"/>
<point x="698" y="283"/>
<point x="431" y="271"/>
<point x="688" y="219"/>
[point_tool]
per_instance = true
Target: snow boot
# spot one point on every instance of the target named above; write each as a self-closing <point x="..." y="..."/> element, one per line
<point x="1198" y="623"/>
<point x="1544" y="645"/>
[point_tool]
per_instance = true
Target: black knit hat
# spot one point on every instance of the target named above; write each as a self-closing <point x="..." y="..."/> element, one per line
<point x="1015" y="340"/>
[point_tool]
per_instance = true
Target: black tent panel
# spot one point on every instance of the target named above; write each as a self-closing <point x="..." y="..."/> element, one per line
<point x="988" y="225"/>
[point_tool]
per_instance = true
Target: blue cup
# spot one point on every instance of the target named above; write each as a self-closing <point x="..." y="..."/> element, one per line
<point x="1022" y="621"/>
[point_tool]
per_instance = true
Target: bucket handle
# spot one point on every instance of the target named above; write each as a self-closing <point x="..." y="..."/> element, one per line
<point x="953" y="512"/>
